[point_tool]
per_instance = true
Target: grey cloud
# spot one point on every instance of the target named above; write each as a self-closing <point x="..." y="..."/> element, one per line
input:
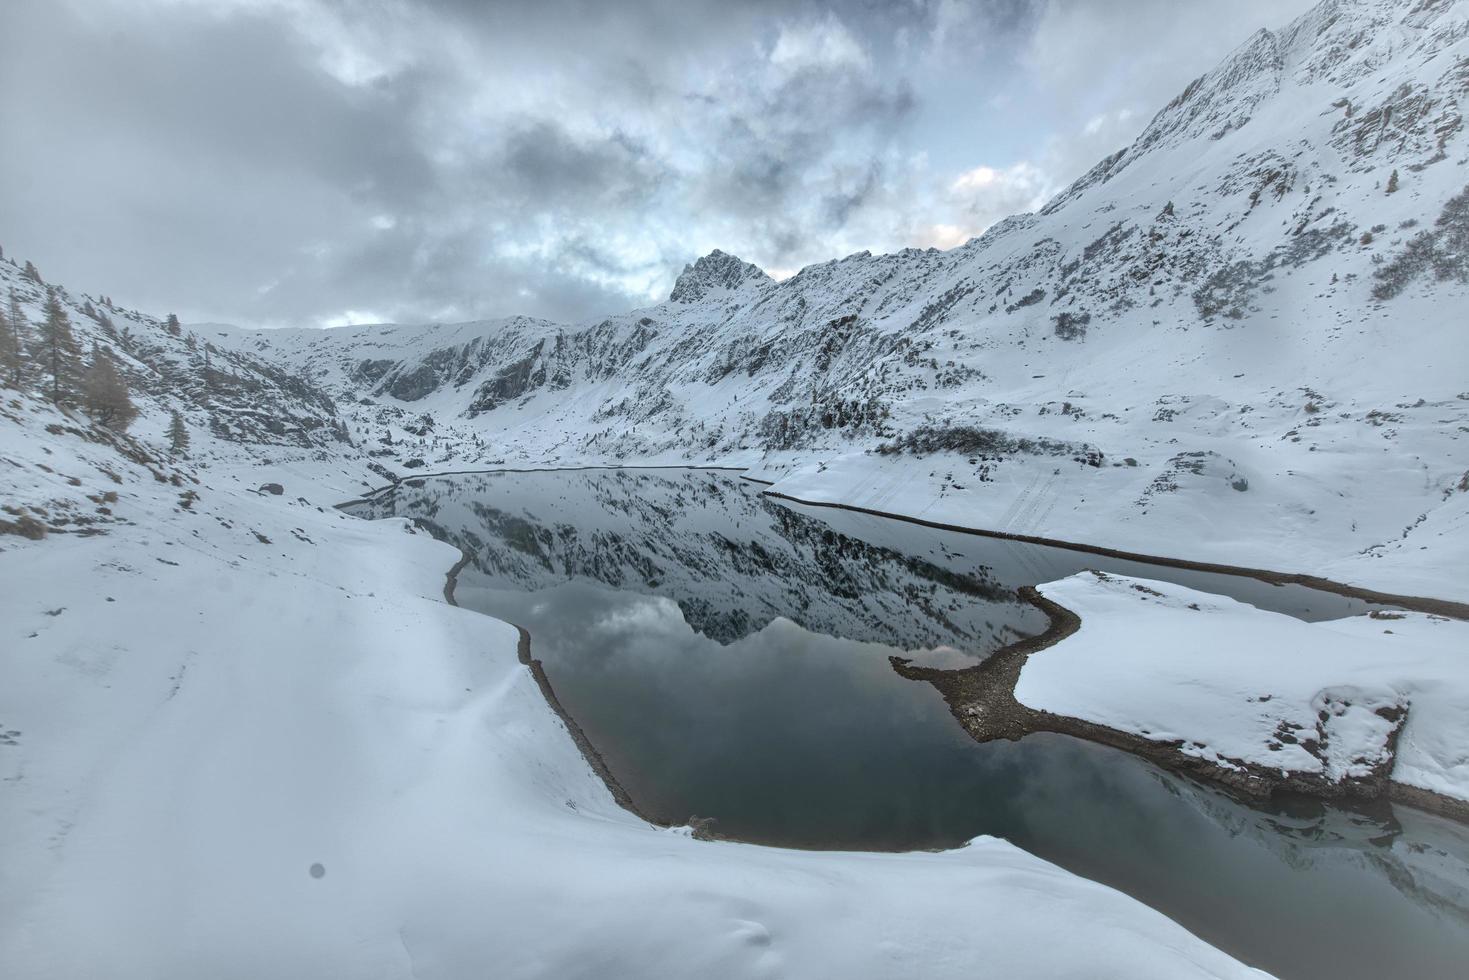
<point x="783" y="158"/>
<point x="244" y="92"/>
<point x="837" y="207"/>
<point x="542" y="163"/>
<point x="192" y="165"/>
<point x="284" y="162"/>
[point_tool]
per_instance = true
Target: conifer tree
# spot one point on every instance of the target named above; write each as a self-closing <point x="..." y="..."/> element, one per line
<point x="105" y="394"/>
<point x="178" y="434"/>
<point x="20" y="330"/>
<point x="1392" y="182"/>
<point x="9" y="353"/>
<point x="58" y="347"/>
<point x="172" y="325"/>
<point x="31" y="272"/>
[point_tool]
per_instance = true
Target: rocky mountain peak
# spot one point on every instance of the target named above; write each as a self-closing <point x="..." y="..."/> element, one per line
<point x="717" y="270"/>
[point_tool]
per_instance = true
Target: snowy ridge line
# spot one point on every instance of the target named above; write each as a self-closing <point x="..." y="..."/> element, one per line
<point x="1437" y="607"/>
<point x="584" y="744"/>
<point x="982" y="699"/>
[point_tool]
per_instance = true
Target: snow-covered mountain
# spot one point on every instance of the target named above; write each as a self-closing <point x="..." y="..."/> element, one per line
<point x="1248" y="319"/>
<point x="1251" y="316"/>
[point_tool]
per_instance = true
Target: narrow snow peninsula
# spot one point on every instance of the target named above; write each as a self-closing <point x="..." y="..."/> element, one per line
<point x="1337" y="707"/>
<point x="242" y="735"/>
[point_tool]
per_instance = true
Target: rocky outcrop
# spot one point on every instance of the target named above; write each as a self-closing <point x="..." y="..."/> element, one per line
<point x="715" y="271"/>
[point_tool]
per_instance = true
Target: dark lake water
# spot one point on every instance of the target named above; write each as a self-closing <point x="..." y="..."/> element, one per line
<point x="727" y="653"/>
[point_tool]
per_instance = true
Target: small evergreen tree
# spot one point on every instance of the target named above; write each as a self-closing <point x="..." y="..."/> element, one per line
<point x="178" y="435"/>
<point x="172" y="325"/>
<point x="20" y="330"/>
<point x="105" y="394"/>
<point x="59" y="347"/>
<point x="1392" y="182"/>
<point x="9" y="352"/>
<point x="31" y="272"/>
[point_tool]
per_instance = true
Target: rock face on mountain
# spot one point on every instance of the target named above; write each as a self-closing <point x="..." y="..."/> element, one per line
<point x="1249" y="317"/>
<point x="715" y="271"/>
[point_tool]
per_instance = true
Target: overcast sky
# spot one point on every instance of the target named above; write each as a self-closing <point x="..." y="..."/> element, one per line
<point x="316" y="162"/>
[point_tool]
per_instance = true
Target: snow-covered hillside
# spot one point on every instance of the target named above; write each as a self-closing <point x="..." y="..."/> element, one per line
<point x="243" y="735"/>
<point x="1249" y="319"/>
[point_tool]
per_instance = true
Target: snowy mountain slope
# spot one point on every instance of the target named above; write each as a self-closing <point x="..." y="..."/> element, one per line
<point x="223" y="394"/>
<point x="1249" y="319"/>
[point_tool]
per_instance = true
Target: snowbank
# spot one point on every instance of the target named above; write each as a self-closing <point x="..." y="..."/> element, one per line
<point x="1111" y="507"/>
<point x="1239" y="686"/>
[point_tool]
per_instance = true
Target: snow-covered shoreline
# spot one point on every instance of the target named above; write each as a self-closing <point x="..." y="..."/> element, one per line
<point x="1446" y="607"/>
<point x="1261" y="775"/>
<point x="823" y="495"/>
<point x="1257" y="701"/>
<point x="1359" y="706"/>
<point x="228" y="688"/>
<point x="913" y="490"/>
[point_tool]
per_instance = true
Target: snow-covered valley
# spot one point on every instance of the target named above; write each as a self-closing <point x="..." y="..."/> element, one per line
<point x="243" y="734"/>
<point x="229" y="689"/>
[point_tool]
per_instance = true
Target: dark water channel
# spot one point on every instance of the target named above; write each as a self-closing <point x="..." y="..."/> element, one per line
<point x="727" y="653"/>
